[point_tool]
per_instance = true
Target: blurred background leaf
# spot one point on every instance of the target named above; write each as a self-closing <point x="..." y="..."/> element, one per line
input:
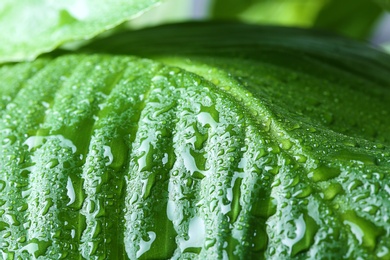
<point x="352" y="18"/>
<point x="384" y="3"/>
<point x="281" y="12"/>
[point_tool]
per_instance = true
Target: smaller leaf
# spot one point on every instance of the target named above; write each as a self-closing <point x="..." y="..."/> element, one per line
<point x="30" y="28"/>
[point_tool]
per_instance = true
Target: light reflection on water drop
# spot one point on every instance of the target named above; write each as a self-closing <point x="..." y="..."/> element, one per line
<point x="70" y="192"/>
<point x="31" y="248"/>
<point x="108" y="154"/>
<point x="165" y="159"/>
<point x="356" y="230"/>
<point x="171" y="210"/>
<point x="300" y="229"/>
<point x="196" y="233"/>
<point x="189" y="161"/>
<point x="206" y="119"/>
<point x="144" y="246"/>
<point x="383" y="251"/>
<point x="35" y="141"/>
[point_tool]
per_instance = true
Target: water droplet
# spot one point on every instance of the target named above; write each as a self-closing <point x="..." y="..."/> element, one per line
<point x="144" y="245"/>
<point x="2" y="185"/>
<point x="354" y="185"/>
<point x="196" y="234"/>
<point x="333" y="190"/>
<point x="70" y="192"/>
<point x="52" y="163"/>
<point x="148" y="184"/>
<point x="286" y="144"/>
<point x="21" y="239"/>
<point x="4" y="245"/>
<point x="108" y="154"/>
<point x="355" y="157"/>
<point x="8" y="255"/>
<point x="36" y="247"/>
<point x="305" y="230"/>
<point x="276" y="183"/>
<point x="23" y="208"/>
<point x="371" y="209"/>
<point x="206" y="118"/>
<point x="324" y="173"/>
<point x="387" y="189"/>
<point x="97" y="229"/>
<point x="300" y="158"/>
<point x="366" y="232"/>
<point x="9" y="140"/>
<point x="12" y="219"/>
<point x="383" y="252"/>
<point x="165" y="159"/>
<point x="304" y="192"/>
<point x="210" y="242"/>
<point x="159" y="78"/>
<point x="3" y="226"/>
<point x="190" y="162"/>
<point x="47" y="205"/>
<point x="34" y="141"/>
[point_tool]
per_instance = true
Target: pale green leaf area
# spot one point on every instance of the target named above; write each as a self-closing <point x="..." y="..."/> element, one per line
<point x="352" y="18"/>
<point x="386" y="47"/>
<point x="217" y="140"/>
<point x="29" y="28"/>
<point x="170" y="11"/>
<point x="293" y="13"/>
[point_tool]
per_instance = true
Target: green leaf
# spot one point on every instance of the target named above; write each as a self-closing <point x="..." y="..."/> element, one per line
<point x="230" y="8"/>
<point x="29" y="28"/>
<point x="250" y="41"/>
<point x="384" y="3"/>
<point x="351" y="18"/>
<point x="215" y="145"/>
<point x="280" y="12"/>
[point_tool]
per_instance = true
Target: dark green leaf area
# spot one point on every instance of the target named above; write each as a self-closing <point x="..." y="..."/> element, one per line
<point x="356" y="21"/>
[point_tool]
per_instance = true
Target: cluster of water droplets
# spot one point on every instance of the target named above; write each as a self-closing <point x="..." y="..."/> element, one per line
<point x="152" y="161"/>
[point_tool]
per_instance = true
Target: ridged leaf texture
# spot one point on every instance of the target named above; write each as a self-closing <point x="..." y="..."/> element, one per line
<point x="234" y="147"/>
